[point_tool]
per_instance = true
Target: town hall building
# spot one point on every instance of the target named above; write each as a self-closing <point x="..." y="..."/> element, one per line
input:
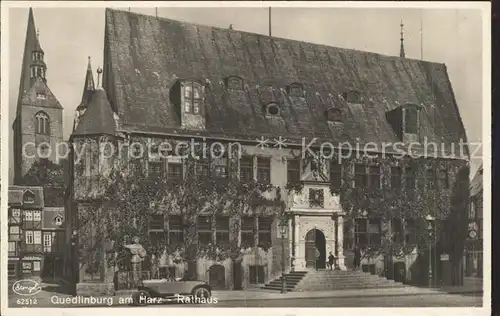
<point x="165" y="80"/>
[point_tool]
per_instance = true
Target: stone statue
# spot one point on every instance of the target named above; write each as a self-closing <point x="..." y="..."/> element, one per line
<point x="138" y="254"/>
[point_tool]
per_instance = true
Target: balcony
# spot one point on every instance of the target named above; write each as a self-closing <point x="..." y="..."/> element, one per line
<point x="313" y="197"/>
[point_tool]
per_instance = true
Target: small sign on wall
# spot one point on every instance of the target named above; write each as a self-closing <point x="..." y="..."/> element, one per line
<point x="445" y="257"/>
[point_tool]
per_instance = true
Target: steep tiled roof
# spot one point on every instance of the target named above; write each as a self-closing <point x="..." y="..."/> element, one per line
<point x="49" y="217"/>
<point x="145" y="56"/>
<point x="17" y="192"/>
<point x="98" y="119"/>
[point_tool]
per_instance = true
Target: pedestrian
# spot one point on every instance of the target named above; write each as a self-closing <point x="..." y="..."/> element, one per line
<point x="318" y="254"/>
<point x="331" y="260"/>
<point x="357" y="258"/>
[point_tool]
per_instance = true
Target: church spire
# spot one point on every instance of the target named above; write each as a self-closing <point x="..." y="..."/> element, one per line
<point x="402" y="48"/>
<point x="88" y="91"/>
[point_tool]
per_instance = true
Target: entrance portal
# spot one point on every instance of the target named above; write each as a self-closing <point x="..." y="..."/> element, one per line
<point x="315" y="240"/>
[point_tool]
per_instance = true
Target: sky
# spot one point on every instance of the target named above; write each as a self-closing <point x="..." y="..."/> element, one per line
<point x="450" y="36"/>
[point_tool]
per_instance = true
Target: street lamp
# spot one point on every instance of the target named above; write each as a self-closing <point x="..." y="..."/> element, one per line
<point x="429" y="220"/>
<point x="282" y="226"/>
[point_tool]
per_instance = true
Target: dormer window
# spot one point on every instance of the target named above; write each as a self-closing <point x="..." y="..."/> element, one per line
<point x="58" y="220"/>
<point x="29" y="197"/>
<point x="333" y="115"/>
<point x="41" y="96"/>
<point x="295" y="90"/>
<point x="352" y="96"/>
<point x="192" y="97"/>
<point x="272" y="109"/>
<point x="234" y="83"/>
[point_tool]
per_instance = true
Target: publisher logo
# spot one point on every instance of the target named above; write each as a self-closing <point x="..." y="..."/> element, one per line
<point x="26" y="287"/>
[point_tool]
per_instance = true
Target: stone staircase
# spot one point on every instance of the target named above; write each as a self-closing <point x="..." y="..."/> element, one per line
<point x="292" y="279"/>
<point x="326" y="280"/>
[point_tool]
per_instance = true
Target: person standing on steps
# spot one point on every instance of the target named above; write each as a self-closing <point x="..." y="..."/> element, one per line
<point x="331" y="260"/>
<point x="318" y="254"/>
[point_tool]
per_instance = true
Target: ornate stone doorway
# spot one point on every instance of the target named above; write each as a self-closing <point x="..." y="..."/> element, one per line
<point x="315" y="240"/>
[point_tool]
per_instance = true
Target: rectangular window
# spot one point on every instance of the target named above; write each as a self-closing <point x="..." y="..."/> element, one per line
<point x="192" y="97"/>
<point x="202" y="168"/>
<point x="14" y="230"/>
<point x="263" y="170"/>
<point x="246" y="169"/>
<point x="397" y="230"/>
<point x="203" y="226"/>
<point x="174" y="171"/>
<point x="396" y="179"/>
<point x="374" y="177"/>
<point x="157" y="238"/>
<point x="155" y="169"/>
<point x="29" y="237"/>
<point x="360" y="178"/>
<point x="16" y="215"/>
<point x="256" y="274"/>
<point x="157" y="222"/>
<point x="47" y="242"/>
<point x="47" y="239"/>
<point x="12" y="249"/>
<point x="410" y="178"/>
<point x="293" y="170"/>
<point x="374" y="232"/>
<point x="410" y="232"/>
<point x="361" y="232"/>
<point x="367" y="232"/>
<point x="28" y="216"/>
<point x="443" y="178"/>
<point x="37" y="237"/>
<point x="221" y="230"/>
<point x="264" y="228"/>
<point x="336" y="174"/>
<point x="175" y="230"/>
<point x="36" y="266"/>
<point x="220" y="167"/>
<point x="37" y="216"/>
<point x="411" y="120"/>
<point x="247" y="233"/>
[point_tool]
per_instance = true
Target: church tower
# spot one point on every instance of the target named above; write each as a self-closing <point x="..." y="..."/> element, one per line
<point x="38" y="124"/>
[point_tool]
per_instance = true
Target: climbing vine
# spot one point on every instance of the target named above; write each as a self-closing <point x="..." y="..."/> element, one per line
<point x="130" y="198"/>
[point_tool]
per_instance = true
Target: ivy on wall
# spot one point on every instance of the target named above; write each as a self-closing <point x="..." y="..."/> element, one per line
<point x="130" y="198"/>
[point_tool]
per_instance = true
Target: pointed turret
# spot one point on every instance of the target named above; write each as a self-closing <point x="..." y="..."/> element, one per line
<point x="99" y="118"/>
<point x="88" y="91"/>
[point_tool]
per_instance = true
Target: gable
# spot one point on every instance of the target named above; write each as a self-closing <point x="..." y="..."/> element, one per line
<point x="146" y="56"/>
<point x="40" y="95"/>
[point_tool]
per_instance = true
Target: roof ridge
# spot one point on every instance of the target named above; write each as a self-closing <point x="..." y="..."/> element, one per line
<point x="266" y="36"/>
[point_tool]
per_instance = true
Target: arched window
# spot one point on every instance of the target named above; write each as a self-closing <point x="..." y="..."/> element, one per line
<point x="234" y="83"/>
<point x="193" y="97"/>
<point x="42" y="123"/>
<point x="295" y="90"/>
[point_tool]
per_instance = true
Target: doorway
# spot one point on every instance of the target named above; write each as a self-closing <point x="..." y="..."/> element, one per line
<point x="315" y="240"/>
<point x="217" y="276"/>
